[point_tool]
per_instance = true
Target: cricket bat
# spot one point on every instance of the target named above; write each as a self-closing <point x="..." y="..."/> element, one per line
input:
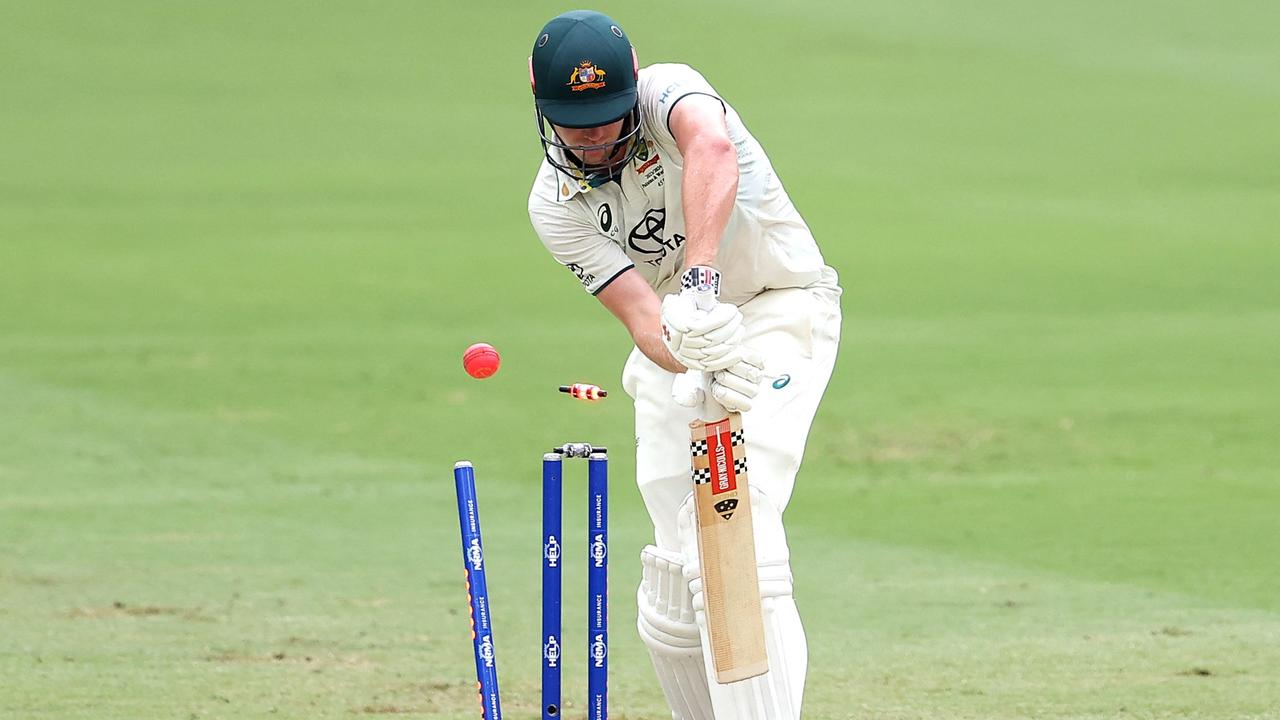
<point x="726" y="548"/>
<point x="726" y="540"/>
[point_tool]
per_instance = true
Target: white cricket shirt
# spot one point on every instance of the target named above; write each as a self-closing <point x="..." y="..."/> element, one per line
<point x="601" y="232"/>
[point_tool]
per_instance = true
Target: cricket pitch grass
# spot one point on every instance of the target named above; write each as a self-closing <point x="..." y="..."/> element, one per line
<point x="242" y="246"/>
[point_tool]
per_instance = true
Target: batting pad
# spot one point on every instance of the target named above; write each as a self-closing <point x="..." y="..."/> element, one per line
<point x="777" y="694"/>
<point x="670" y="632"/>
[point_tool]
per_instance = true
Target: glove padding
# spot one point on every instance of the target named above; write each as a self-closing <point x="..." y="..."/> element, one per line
<point x="735" y="386"/>
<point x="701" y="339"/>
<point x="689" y="388"/>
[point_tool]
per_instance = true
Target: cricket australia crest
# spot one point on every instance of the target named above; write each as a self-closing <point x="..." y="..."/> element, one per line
<point x="586" y="76"/>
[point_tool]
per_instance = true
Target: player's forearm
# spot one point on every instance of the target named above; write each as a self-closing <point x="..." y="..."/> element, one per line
<point x="650" y="343"/>
<point x="635" y="304"/>
<point x="710" y="187"/>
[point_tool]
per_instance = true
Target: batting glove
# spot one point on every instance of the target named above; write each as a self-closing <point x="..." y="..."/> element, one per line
<point x="701" y="332"/>
<point x="735" y="386"/>
<point x="689" y="388"/>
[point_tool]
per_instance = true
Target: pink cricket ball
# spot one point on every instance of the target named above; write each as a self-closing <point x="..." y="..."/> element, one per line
<point x="481" y="360"/>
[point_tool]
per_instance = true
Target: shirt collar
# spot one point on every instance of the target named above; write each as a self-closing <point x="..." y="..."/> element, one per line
<point x="570" y="185"/>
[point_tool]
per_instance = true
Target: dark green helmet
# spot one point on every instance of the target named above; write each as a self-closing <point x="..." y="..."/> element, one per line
<point x="583" y="71"/>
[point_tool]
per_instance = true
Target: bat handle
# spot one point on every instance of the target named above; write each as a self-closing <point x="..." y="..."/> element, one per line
<point x="704" y="296"/>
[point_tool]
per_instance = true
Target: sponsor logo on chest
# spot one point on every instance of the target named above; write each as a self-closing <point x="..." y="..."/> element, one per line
<point x="648" y="242"/>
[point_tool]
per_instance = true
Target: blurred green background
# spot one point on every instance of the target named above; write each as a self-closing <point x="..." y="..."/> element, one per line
<point x="243" y="245"/>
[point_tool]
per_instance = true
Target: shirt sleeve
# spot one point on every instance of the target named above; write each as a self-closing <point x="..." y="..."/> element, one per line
<point x="663" y="87"/>
<point x="575" y="244"/>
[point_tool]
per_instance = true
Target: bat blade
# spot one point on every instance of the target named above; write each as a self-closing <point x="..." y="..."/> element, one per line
<point x="726" y="549"/>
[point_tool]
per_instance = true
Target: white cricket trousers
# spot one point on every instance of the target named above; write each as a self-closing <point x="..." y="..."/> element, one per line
<point x="797" y="330"/>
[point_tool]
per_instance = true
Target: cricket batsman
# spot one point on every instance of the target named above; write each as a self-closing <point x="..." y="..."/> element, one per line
<point x="651" y="188"/>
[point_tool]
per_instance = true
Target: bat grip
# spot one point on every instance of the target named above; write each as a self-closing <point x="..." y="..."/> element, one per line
<point x="704" y="297"/>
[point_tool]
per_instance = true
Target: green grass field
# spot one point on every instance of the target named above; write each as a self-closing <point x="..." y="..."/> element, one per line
<point x="243" y="245"/>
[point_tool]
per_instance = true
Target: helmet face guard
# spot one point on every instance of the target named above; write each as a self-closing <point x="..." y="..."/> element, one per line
<point x="584" y="74"/>
<point x="570" y="157"/>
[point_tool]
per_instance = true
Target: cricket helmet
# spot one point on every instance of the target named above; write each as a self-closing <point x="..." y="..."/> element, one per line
<point x="583" y="72"/>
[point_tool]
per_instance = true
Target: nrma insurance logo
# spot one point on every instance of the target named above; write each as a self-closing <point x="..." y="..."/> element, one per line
<point x="551" y="551"/>
<point x="486" y="650"/>
<point x="551" y="651"/>
<point x="599" y="551"/>
<point x="475" y="556"/>
<point x="599" y="651"/>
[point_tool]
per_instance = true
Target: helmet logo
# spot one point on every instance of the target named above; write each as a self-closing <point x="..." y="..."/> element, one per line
<point x="586" y="76"/>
